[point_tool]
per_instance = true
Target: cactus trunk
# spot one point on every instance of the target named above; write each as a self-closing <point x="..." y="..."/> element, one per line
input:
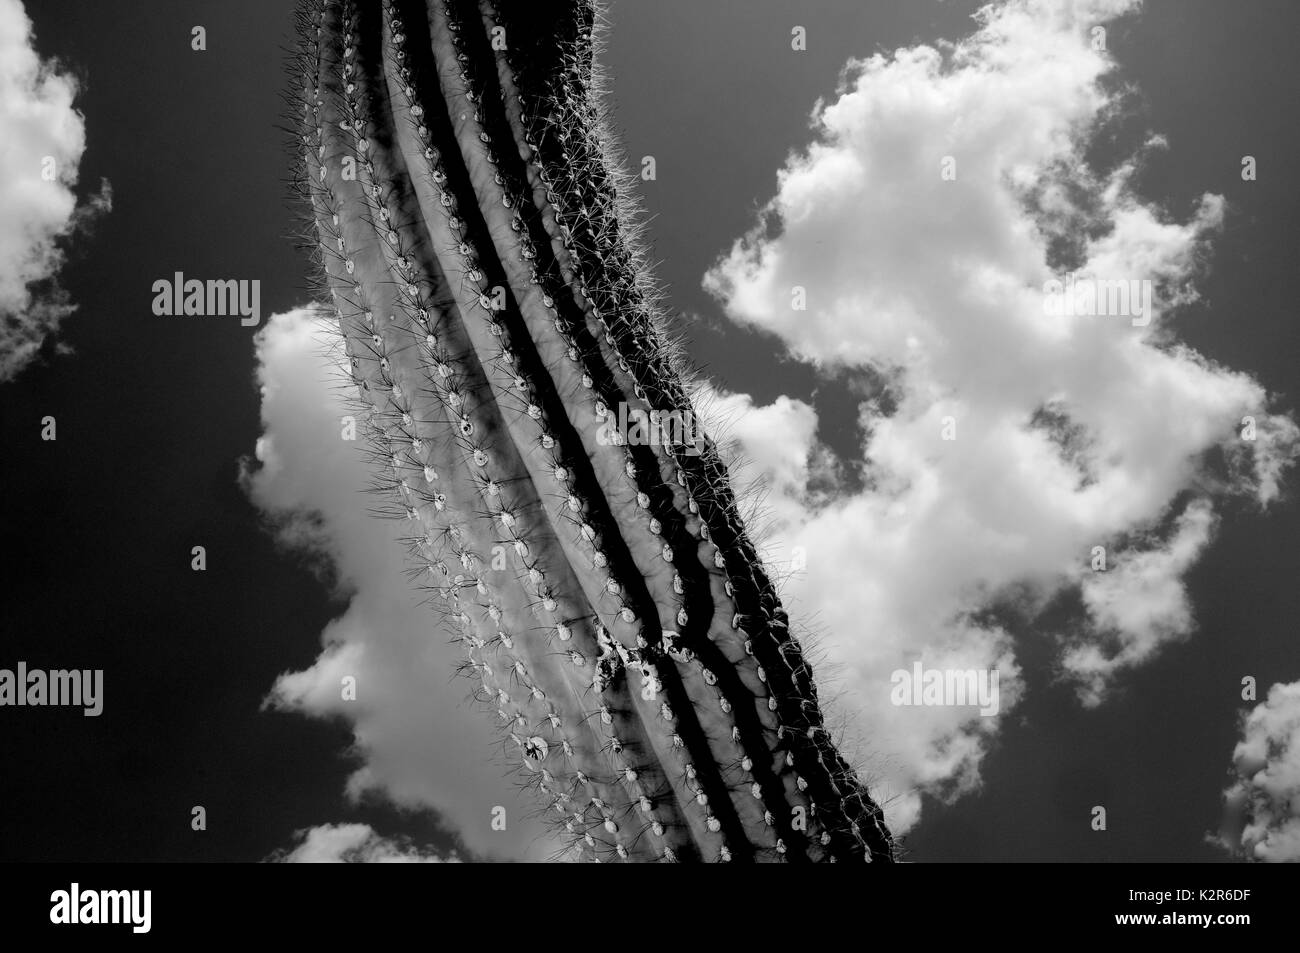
<point x="616" y="617"/>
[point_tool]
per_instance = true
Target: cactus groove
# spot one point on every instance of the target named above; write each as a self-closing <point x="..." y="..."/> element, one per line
<point x="474" y="241"/>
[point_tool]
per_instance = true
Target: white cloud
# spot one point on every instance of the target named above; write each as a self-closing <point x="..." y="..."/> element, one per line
<point x="420" y="742"/>
<point x="353" y="844"/>
<point x="1138" y="605"/>
<point x="1071" y="431"/>
<point x="43" y="140"/>
<point x="1262" y="809"/>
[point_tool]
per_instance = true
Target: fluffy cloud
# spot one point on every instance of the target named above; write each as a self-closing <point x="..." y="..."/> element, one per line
<point x="421" y="744"/>
<point x="1008" y="439"/>
<point x="44" y="138"/>
<point x="1139" y="604"/>
<point x="352" y="844"/>
<point x="1262" y="816"/>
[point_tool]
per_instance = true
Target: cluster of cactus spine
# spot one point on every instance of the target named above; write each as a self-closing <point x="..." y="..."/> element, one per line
<point x="617" y="620"/>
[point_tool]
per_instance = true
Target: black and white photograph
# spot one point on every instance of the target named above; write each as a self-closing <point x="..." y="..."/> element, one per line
<point x="536" y="432"/>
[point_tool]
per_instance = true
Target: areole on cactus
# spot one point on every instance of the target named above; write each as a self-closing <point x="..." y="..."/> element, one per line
<point x="617" y="619"/>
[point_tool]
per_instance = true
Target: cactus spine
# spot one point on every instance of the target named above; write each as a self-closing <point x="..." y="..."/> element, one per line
<point x="615" y="615"/>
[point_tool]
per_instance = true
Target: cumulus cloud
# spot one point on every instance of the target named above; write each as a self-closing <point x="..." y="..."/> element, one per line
<point x="1139" y="605"/>
<point x="420" y="743"/>
<point x="44" y="138"/>
<point x="946" y="189"/>
<point x="353" y="844"/>
<point x="1262" y="808"/>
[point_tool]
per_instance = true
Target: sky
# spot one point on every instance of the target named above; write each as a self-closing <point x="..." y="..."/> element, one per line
<point x="1120" y="690"/>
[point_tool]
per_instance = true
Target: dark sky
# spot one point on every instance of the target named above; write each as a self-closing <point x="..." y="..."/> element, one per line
<point x="154" y="413"/>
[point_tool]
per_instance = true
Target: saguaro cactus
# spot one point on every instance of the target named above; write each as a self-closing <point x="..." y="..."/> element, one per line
<point x="616" y="617"/>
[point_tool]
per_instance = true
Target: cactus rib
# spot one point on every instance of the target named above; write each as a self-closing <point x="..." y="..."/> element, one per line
<point x="475" y="245"/>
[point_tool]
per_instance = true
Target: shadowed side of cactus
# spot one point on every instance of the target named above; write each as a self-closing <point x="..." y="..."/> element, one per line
<point x="616" y="617"/>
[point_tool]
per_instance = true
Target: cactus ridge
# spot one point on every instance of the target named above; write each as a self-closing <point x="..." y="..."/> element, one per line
<point x="476" y="244"/>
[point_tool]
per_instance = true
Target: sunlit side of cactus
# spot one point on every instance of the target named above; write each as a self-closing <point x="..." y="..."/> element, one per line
<point x="616" y="617"/>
